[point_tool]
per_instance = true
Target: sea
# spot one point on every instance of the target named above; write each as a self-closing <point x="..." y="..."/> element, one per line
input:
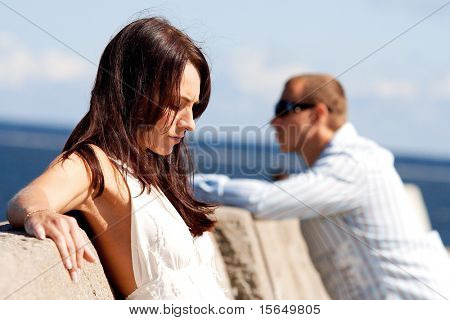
<point x="26" y="150"/>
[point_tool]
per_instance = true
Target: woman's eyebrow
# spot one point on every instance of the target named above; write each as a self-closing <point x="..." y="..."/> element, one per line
<point x="188" y="99"/>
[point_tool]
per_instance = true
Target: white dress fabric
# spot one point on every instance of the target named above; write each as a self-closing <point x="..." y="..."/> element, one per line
<point x="168" y="262"/>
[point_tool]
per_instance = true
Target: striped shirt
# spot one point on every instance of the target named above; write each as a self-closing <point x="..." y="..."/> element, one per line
<point x="361" y="232"/>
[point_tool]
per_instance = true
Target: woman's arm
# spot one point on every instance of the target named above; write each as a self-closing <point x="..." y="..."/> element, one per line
<point x="64" y="186"/>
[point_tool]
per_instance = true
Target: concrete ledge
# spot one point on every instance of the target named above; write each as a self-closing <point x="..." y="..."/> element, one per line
<point x="224" y="280"/>
<point x="290" y="269"/>
<point x="255" y="259"/>
<point x="32" y="269"/>
<point x="418" y="205"/>
<point x="266" y="259"/>
<point x="241" y="252"/>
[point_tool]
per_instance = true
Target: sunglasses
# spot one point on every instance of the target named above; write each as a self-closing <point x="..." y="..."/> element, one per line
<point x="283" y="107"/>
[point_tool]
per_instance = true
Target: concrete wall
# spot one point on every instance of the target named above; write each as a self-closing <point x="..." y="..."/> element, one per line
<point x="266" y="259"/>
<point x="416" y="199"/>
<point x="32" y="269"/>
<point x="256" y="260"/>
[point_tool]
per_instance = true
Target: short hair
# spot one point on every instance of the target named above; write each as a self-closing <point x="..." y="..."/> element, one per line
<point x="326" y="89"/>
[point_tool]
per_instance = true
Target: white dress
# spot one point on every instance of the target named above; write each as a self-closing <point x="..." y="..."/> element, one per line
<point x="168" y="262"/>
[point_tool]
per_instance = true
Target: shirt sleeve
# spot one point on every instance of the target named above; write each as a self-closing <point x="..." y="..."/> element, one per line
<point x="332" y="186"/>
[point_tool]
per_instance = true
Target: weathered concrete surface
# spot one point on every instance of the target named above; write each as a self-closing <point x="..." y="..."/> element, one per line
<point x="236" y="236"/>
<point x="256" y="260"/>
<point x="32" y="269"/>
<point x="224" y="281"/>
<point x="286" y="255"/>
<point x="418" y="204"/>
<point x="37" y="271"/>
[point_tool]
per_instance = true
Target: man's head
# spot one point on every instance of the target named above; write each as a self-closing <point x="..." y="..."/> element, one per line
<point x="312" y="107"/>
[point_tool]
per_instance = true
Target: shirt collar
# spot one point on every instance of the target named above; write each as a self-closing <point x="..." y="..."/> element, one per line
<point x="344" y="134"/>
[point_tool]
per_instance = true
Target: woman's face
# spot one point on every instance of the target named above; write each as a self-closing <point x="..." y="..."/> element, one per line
<point x="161" y="139"/>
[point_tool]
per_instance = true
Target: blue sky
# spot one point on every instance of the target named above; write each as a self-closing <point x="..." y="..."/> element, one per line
<point x="399" y="97"/>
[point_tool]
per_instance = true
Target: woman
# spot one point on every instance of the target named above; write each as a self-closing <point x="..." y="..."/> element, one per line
<point x="125" y="167"/>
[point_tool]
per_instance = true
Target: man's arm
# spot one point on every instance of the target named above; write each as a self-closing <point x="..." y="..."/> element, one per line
<point x="330" y="187"/>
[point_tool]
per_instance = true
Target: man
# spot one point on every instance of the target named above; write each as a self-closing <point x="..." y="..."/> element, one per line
<point x="361" y="232"/>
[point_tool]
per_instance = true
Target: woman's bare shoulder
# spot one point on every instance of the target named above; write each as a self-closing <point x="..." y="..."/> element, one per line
<point x="67" y="181"/>
<point x="115" y="183"/>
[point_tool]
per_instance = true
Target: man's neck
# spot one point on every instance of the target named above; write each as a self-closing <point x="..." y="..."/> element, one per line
<point x="313" y="148"/>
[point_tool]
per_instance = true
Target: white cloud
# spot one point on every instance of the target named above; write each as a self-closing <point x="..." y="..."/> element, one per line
<point x="441" y="89"/>
<point x="401" y="89"/>
<point x="255" y="75"/>
<point x="395" y="89"/>
<point x="19" y="64"/>
<point x="383" y="88"/>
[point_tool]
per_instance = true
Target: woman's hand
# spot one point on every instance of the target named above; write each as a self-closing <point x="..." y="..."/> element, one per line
<point x="66" y="234"/>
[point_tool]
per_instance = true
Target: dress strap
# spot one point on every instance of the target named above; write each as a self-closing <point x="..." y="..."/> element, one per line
<point x="122" y="165"/>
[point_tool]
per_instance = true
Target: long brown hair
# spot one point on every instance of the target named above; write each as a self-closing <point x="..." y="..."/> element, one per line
<point x="138" y="81"/>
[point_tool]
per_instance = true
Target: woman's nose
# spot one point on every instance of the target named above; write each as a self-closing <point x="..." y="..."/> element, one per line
<point x="187" y="122"/>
